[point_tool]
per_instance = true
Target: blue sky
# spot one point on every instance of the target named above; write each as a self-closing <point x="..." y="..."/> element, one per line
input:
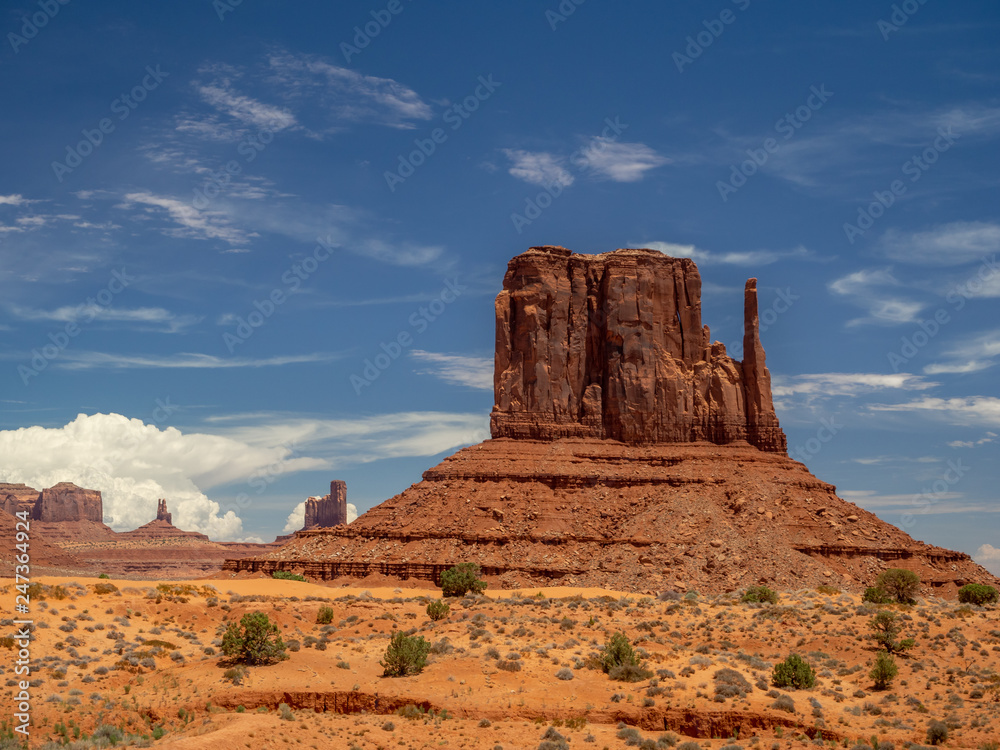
<point x="214" y="216"/>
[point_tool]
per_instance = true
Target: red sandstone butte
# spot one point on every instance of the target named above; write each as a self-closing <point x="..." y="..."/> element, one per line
<point x="627" y="453"/>
<point x="612" y="346"/>
<point x="67" y="502"/>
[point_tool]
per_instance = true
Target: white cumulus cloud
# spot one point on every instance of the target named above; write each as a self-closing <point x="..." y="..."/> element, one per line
<point x="133" y="464"/>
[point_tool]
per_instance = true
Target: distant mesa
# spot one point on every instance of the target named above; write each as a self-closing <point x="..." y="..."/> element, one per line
<point x="61" y="502"/>
<point x="629" y="451"/>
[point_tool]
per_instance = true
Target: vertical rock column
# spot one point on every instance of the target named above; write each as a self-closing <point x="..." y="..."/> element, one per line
<point x="763" y="429"/>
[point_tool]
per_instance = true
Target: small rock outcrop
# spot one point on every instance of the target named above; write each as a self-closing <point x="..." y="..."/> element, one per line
<point x="67" y="502"/>
<point x="612" y="346"/>
<point x="329" y="510"/>
<point x="161" y="512"/>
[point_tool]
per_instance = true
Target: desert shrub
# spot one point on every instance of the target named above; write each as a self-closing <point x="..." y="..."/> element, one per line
<point x="886" y="629"/>
<point x="629" y="673"/>
<point x="105" y="588"/>
<point x="689" y="746"/>
<point x="104" y="575"/>
<point x="828" y="590"/>
<point x="405" y="655"/>
<point x="784" y="703"/>
<point x="509" y="665"/>
<point x="760" y="594"/>
<point x="884" y="670"/>
<point x="618" y="652"/>
<point x="977" y="593"/>
<point x="564" y="674"/>
<point x="461" y="579"/>
<point x="668" y="596"/>
<point x="389" y="727"/>
<point x="876" y="595"/>
<point x="285" y="712"/>
<point x="411" y="711"/>
<point x="793" y="672"/>
<point x="254" y="640"/>
<point x="324" y="616"/>
<point x="107" y="733"/>
<point x="438" y="610"/>
<point x="729" y="683"/>
<point x="902" y="585"/>
<point x="286" y="575"/>
<point x="937" y="732"/>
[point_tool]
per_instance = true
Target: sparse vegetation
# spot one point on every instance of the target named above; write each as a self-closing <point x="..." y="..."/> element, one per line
<point x="285" y="575"/>
<point x="884" y="670"/>
<point x="793" y="672"/>
<point x="406" y="655"/>
<point x="978" y="594"/>
<point x="760" y="594"/>
<point x="937" y="732"/>
<point x="901" y="585"/>
<point x="886" y="627"/>
<point x="324" y="616"/>
<point x="461" y="579"/>
<point x="438" y="610"/>
<point x="254" y="640"/>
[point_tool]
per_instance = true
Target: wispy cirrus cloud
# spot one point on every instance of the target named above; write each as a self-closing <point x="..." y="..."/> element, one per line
<point x="620" y="162"/>
<point x="968" y="410"/>
<point x="538" y="167"/>
<point x="869" y="289"/>
<point x="70" y="360"/>
<point x="942" y="245"/>
<point x="737" y="258"/>
<point x="972" y="355"/>
<point x="187" y="220"/>
<point x="156" y="318"/>
<point x="472" y="372"/>
<point x="847" y="383"/>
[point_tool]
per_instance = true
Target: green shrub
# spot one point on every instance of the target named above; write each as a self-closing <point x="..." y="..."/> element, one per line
<point x="405" y="655"/>
<point x="104" y="575"/>
<point x="937" y="732"/>
<point x="876" y="595"/>
<point x="324" y="616"/>
<point x="254" y="640"/>
<point x="105" y="588"/>
<point x="618" y="652"/>
<point x="977" y="593"/>
<point x="235" y="675"/>
<point x="438" y="610"/>
<point x="793" y="672"/>
<point x="461" y="579"/>
<point x="886" y="627"/>
<point x="902" y="585"/>
<point x="285" y="575"/>
<point x="884" y="670"/>
<point x="760" y="594"/>
<point x="629" y="673"/>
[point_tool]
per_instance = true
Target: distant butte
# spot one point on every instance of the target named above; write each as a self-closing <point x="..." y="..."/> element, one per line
<point x="629" y="452"/>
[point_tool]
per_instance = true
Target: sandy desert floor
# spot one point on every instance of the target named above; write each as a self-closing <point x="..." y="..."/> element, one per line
<point x="145" y="658"/>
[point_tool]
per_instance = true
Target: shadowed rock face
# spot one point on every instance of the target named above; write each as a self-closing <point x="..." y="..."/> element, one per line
<point x="612" y="346"/>
<point x="67" y="502"/>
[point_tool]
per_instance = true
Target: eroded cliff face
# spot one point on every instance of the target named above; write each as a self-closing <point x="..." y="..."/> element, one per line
<point x="329" y="510"/>
<point x="67" y="502"/>
<point x="612" y="346"/>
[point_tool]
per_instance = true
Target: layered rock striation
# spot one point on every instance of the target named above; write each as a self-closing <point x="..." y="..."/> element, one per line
<point x="612" y="346"/>
<point x="67" y="502"/>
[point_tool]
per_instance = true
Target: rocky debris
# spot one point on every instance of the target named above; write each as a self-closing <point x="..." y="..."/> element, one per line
<point x="161" y="512"/>
<point x="612" y="346"/>
<point x="329" y="510"/>
<point x="67" y="502"/>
